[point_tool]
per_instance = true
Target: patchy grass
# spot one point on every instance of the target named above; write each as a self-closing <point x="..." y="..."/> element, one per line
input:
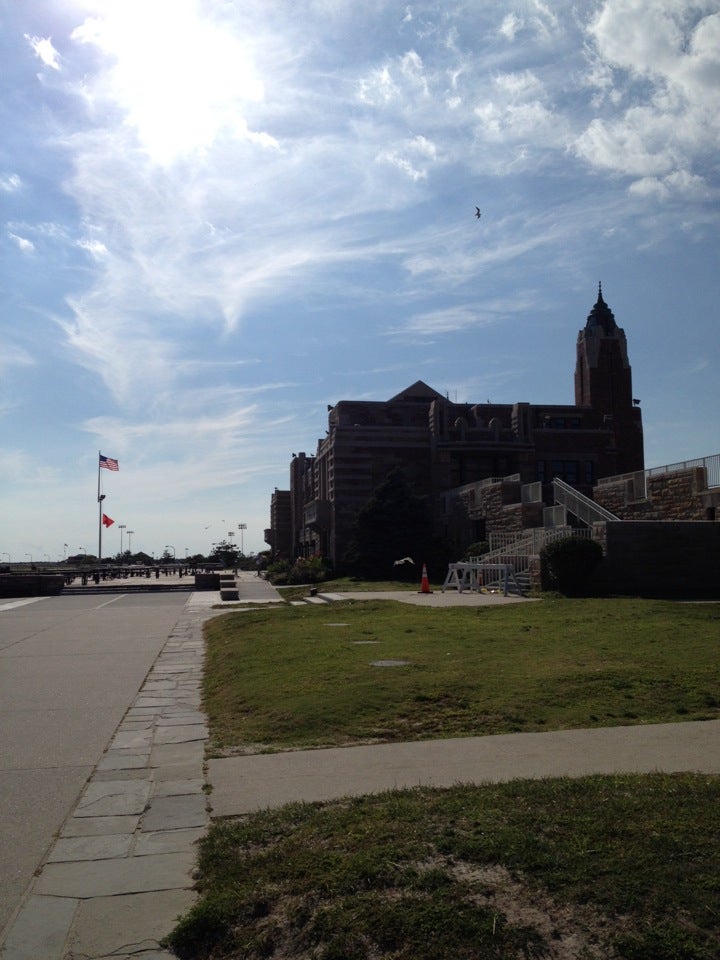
<point x="305" y="676"/>
<point x="603" y="867"/>
<point x="599" y="868"/>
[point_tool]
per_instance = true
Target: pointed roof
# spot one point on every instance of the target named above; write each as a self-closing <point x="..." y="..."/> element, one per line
<point x="601" y="316"/>
<point x="418" y="391"/>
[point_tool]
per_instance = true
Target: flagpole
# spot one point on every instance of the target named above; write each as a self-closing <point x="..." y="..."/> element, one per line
<point x="100" y="500"/>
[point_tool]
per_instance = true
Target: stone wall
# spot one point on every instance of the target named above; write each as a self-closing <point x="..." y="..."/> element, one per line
<point x="677" y="495"/>
<point x="499" y="505"/>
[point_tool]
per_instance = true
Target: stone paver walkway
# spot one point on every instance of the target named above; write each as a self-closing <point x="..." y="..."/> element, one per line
<point x="121" y="870"/>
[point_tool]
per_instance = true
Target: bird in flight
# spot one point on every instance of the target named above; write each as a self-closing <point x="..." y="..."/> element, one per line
<point x="477" y="213"/>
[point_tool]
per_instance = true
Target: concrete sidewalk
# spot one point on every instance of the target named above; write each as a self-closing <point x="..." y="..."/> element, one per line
<point x="243" y="784"/>
<point x="121" y="870"/>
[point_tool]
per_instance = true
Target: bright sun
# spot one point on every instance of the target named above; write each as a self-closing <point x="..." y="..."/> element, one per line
<point x="178" y="78"/>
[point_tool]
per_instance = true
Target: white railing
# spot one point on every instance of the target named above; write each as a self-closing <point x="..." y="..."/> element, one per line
<point x="711" y="465"/>
<point x="517" y="549"/>
<point x="578" y="504"/>
<point x="639" y="477"/>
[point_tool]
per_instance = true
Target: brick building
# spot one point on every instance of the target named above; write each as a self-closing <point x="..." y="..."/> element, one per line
<point x="442" y="446"/>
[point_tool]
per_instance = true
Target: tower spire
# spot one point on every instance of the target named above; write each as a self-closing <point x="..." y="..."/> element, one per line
<point x="601" y="318"/>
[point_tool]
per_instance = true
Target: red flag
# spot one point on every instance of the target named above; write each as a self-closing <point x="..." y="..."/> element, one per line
<point x="107" y="522"/>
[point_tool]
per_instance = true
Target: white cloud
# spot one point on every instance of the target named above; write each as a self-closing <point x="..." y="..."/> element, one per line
<point x="45" y="51"/>
<point x="14" y="356"/>
<point x="378" y="87"/>
<point x="10" y="183"/>
<point x="661" y="59"/>
<point x="398" y="81"/>
<point x="95" y="248"/>
<point x="443" y="321"/>
<point x="25" y="245"/>
<point x="414" y="157"/>
<point x="510" y="26"/>
<point x="680" y="184"/>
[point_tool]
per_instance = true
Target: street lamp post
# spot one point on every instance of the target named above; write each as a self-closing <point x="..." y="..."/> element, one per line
<point x="130" y="533"/>
<point x="242" y="527"/>
<point x="121" y="526"/>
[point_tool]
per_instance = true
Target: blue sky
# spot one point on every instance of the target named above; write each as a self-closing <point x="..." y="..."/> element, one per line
<point x="218" y="218"/>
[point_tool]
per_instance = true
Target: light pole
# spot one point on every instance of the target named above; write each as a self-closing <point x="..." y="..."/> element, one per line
<point x="65" y="549"/>
<point x="242" y="527"/>
<point x="122" y="526"/>
<point x="130" y="533"/>
<point x="83" y="550"/>
<point x="169" y="546"/>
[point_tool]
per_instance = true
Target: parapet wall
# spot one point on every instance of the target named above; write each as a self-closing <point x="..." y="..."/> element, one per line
<point x="676" y="495"/>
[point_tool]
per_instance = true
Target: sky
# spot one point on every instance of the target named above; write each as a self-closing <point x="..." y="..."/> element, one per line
<point x="218" y="217"/>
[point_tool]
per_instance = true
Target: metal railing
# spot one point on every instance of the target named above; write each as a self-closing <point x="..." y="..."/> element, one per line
<point x="710" y="464"/>
<point x="518" y="549"/>
<point x="639" y="478"/>
<point x="582" y="507"/>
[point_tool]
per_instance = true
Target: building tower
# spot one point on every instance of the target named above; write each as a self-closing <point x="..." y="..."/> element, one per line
<point x="603" y="382"/>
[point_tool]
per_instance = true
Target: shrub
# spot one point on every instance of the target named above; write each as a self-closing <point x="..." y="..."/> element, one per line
<point x="568" y="564"/>
<point x="278" y="571"/>
<point x="476" y="549"/>
<point x="308" y="570"/>
<point x="302" y="570"/>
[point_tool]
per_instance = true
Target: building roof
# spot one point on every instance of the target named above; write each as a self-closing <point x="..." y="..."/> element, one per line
<point x="601" y="316"/>
<point x="417" y="392"/>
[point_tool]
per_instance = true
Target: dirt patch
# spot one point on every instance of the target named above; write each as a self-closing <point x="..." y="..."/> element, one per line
<point x="570" y="931"/>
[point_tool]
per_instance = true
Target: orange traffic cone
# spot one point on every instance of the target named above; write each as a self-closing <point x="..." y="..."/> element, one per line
<point x="425" y="583"/>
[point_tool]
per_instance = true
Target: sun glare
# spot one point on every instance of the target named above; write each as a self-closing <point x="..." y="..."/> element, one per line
<point x="180" y="79"/>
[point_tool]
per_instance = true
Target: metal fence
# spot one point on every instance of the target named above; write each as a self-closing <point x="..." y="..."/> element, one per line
<point x="639" y="478"/>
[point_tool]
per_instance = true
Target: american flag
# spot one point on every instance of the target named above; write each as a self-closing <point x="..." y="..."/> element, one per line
<point x="108" y="463"/>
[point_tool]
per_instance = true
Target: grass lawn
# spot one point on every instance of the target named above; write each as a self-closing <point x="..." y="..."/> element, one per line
<point x="601" y="867"/>
<point x="306" y="676"/>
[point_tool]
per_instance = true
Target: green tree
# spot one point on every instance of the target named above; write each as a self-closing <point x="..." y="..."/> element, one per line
<point x="393" y="525"/>
<point x="224" y="553"/>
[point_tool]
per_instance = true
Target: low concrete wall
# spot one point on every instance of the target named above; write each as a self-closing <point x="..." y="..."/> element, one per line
<point x="207" y="581"/>
<point x="30" y="584"/>
<point x="660" y="559"/>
